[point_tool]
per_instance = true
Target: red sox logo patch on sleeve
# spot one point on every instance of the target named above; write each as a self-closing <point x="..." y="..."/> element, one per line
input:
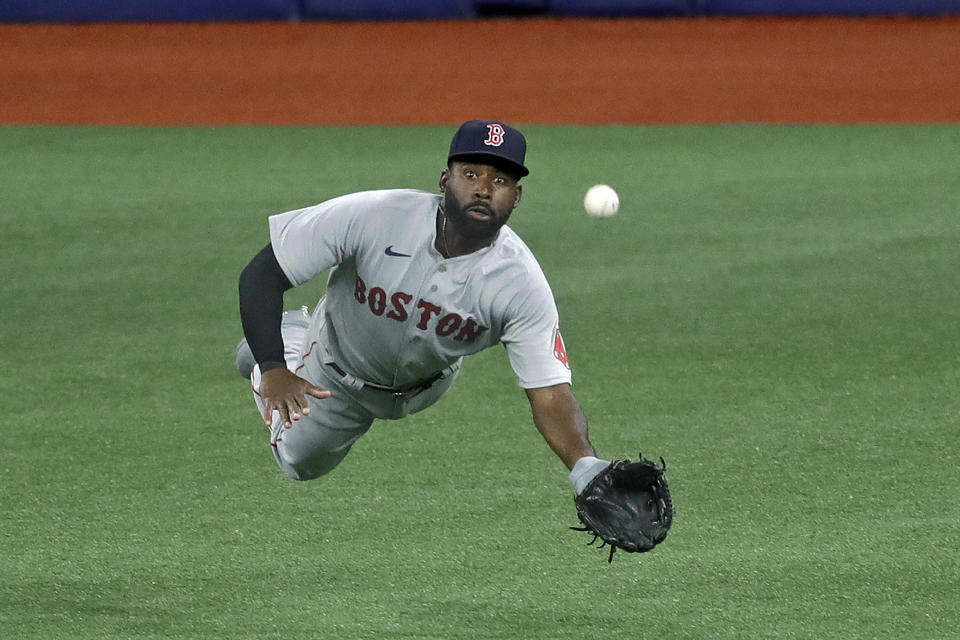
<point x="495" y="134"/>
<point x="559" y="350"/>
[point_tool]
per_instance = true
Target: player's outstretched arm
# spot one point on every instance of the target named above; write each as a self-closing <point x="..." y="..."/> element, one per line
<point x="284" y="391"/>
<point x="557" y="415"/>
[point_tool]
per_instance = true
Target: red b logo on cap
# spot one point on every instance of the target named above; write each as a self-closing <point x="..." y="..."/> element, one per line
<point x="494" y="135"/>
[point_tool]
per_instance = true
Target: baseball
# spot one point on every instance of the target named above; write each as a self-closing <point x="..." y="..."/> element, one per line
<point x="601" y="201"/>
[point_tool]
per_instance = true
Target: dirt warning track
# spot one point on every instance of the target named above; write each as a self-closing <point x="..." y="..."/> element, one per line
<point x="530" y="70"/>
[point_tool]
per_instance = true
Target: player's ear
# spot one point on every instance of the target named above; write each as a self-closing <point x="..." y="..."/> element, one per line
<point x="516" y="201"/>
<point x="444" y="176"/>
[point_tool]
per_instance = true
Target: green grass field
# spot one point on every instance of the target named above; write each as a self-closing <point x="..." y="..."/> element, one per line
<point x="775" y="310"/>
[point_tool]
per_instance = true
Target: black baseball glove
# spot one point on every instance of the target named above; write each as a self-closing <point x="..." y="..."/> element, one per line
<point x="627" y="505"/>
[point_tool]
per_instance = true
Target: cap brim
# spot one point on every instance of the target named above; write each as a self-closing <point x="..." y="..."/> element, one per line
<point x="493" y="160"/>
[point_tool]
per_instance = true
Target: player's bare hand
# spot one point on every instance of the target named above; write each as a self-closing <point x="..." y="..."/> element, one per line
<point x="284" y="391"/>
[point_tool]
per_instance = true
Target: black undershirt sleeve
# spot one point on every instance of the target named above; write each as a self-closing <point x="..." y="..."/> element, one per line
<point x="262" y="285"/>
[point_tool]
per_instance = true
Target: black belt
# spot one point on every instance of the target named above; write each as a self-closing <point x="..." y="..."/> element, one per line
<point x="409" y="390"/>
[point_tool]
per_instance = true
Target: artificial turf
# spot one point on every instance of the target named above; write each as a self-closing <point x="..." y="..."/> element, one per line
<point x="774" y="310"/>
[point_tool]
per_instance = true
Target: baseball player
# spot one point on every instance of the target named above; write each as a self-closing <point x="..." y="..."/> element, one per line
<point x="416" y="282"/>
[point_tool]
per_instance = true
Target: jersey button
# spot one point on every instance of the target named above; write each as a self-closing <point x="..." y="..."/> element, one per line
<point x="433" y="287"/>
<point x="442" y="268"/>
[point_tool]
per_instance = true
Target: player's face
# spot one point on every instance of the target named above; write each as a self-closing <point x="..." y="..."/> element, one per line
<point x="478" y="198"/>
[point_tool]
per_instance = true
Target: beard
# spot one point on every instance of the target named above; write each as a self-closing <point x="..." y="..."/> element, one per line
<point x="483" y="228"/>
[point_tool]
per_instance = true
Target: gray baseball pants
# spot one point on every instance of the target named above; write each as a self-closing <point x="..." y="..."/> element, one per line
<point x="319" y="441"/>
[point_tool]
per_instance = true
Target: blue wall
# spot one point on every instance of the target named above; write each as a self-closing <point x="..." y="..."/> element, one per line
<point x="831" y="7"/>
<point x="207" y="10"/>
<point x="146" y="10"/>
<point x="385" y="9"/>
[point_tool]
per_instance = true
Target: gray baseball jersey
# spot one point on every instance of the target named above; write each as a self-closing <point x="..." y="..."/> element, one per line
<point x="396" y="311"/>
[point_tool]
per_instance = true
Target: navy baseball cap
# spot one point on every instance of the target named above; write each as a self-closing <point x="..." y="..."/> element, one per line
<point x="490" y="140"/>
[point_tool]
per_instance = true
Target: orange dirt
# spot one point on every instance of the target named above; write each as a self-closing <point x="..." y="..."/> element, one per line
<point x="520" y="70"/>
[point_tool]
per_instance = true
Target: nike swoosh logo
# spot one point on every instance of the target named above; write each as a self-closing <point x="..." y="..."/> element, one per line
<point x="391" y="252"/>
